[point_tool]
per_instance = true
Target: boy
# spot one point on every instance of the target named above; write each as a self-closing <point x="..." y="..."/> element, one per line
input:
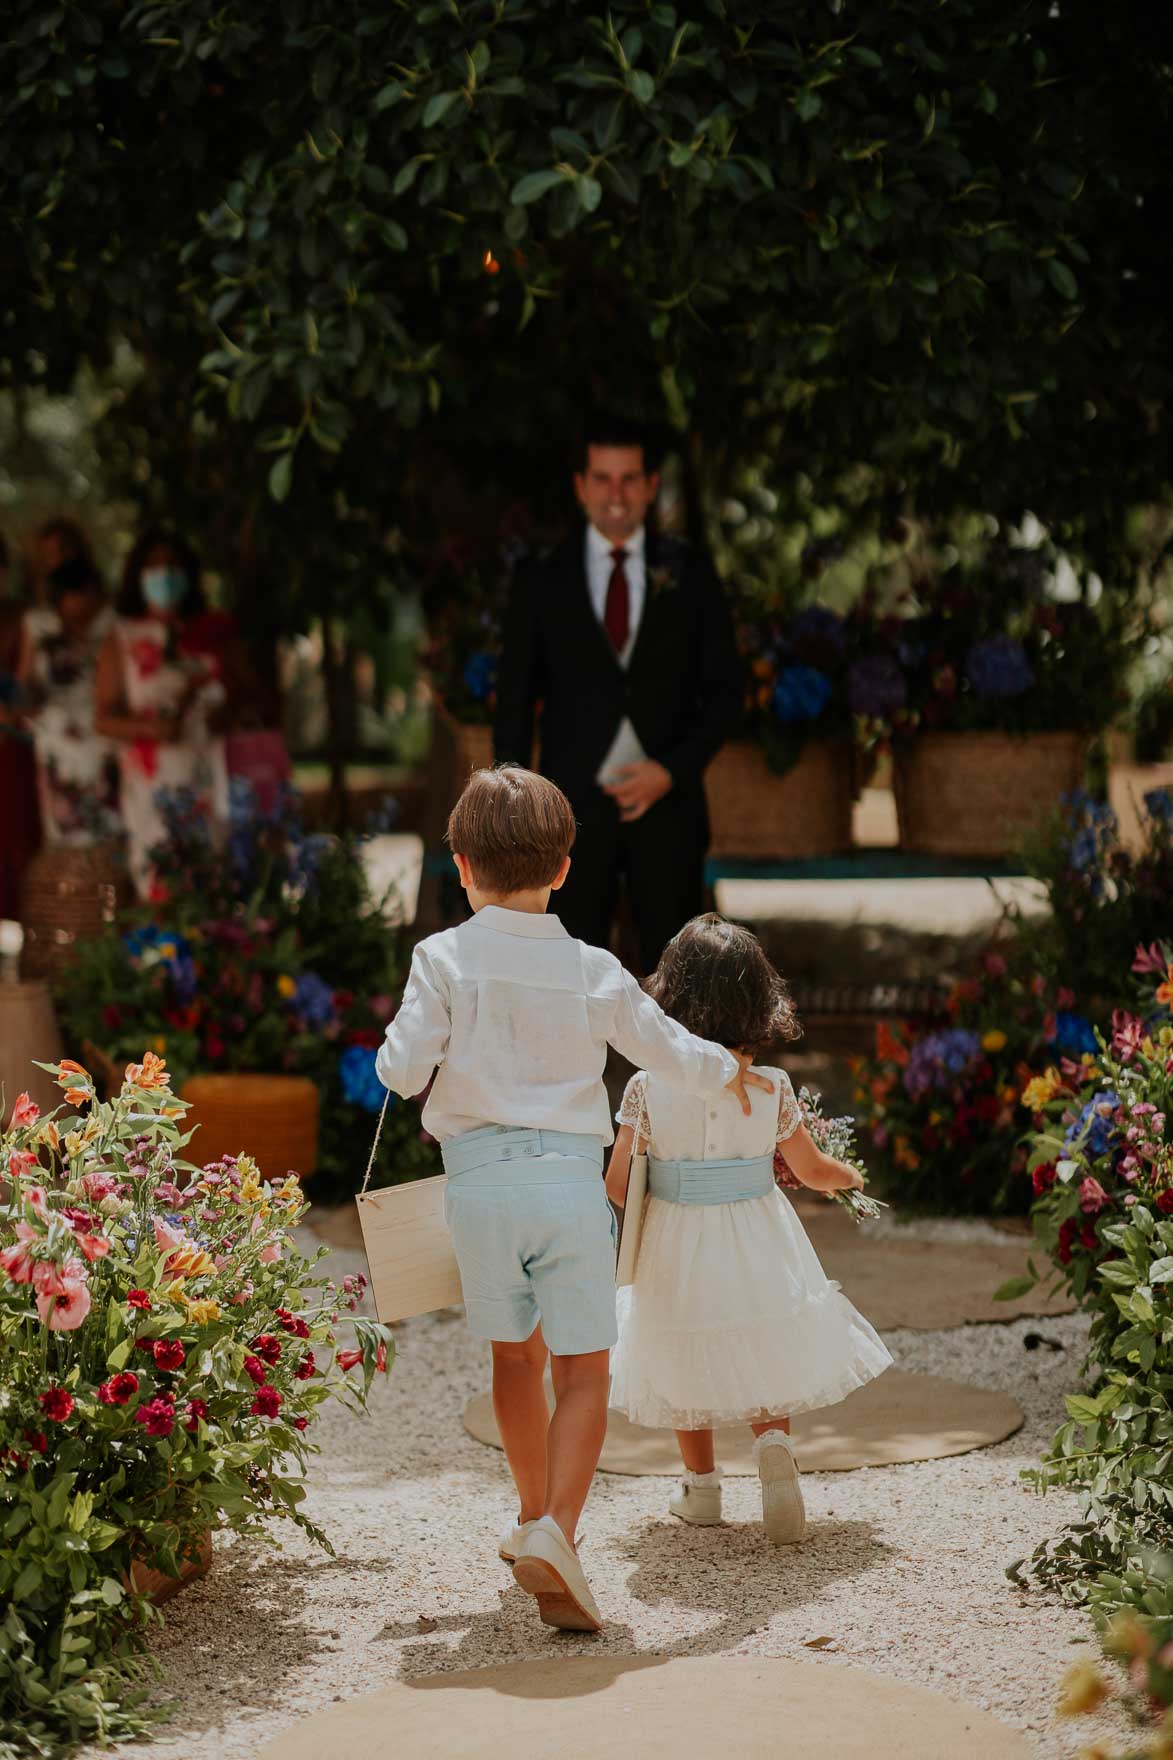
<point x="516" y="1017"/>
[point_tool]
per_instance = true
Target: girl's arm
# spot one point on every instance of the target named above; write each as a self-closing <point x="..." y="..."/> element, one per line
<point x="822" y="1173"/>
<point x="619" y="1166"/>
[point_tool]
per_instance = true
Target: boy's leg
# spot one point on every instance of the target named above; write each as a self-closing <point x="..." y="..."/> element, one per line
<point x="575" y="1439"/>
<point x="696" y="1450"/>
<point x="523" y="1417"/>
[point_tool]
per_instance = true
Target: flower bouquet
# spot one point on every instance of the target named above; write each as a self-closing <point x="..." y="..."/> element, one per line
<point x="835" y="1137"/>
<point x="164" y="1351"/>
<point x="272" y="958"/>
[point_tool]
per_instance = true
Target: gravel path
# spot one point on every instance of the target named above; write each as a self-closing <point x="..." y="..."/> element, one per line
<point x="902" y="1568"/>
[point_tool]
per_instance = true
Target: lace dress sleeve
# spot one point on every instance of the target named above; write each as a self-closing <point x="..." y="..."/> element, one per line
<point x="634" y="1102"/>
<point x="789" y="1111"/>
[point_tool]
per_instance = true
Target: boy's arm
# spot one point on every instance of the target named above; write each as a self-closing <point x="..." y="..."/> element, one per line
<point x="644" y="1034"/>
<point x="417" y="1038"/>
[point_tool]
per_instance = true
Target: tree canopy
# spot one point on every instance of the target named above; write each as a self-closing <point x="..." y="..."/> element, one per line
<point x="934" y="238"/>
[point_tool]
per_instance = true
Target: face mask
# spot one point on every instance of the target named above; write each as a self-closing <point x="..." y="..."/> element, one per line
<point x="163" y="588"/>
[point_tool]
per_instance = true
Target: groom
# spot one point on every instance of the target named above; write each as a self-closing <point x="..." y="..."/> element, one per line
<point x="624" y="640"/>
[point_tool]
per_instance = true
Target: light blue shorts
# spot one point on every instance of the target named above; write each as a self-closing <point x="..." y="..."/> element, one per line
<point x="534" y="1236"/>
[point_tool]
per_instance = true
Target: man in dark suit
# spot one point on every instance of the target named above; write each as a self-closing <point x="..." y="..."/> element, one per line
<point x="624" y="639"/>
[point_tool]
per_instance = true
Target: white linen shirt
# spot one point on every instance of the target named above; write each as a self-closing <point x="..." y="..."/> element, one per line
<point x="515" y="1016"/>
<point x="626" y="747"/>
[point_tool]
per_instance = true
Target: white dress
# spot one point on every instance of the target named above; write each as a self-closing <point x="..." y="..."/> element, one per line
<point x="731" y="1317"/>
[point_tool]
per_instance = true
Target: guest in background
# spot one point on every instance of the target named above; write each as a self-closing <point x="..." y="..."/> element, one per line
<point x="172" y="680"/>
<point x="19" y="819"/>
<point x="77" y="775"/>
<point x="57" y="541"/>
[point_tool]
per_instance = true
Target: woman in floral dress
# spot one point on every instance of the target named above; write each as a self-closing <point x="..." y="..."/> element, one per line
<point x="171" y="679"/>
<point x="77" y="773"/>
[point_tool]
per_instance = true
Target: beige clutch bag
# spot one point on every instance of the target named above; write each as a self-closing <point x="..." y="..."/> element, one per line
<point x="632" y="1226"/>
<point x="409" y="1250"/>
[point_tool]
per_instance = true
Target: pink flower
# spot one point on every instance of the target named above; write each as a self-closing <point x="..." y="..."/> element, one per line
<point x="158" y="1415"/>
<point x="20" y="1164"/>
<point x="244" y="1296"/>
<point x="94" y="1246"/>
<point x="995" y="965"/>
<point x="65" y="1313"/>
<point x="196" y="1409"/>
<point x="271" y="1253"/>
<point x="1064" y="998"/>
<point x="54" y="1280"/>
<point x="1092" y="1196"/>
<point x="1149" y="959"/>
<point x="25" y="1112"/>
<point x="168" y="1238"/>
<point x="18" y="1261"/>
<point x="1127" y="1033"/>
<point x="1038" y="984"/>
<point x="99" y="1186"/>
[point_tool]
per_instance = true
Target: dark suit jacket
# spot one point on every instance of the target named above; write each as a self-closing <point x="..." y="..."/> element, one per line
<point x="682" y="689"/>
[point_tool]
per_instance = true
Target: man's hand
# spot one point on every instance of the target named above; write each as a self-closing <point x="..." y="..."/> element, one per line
<point x="745" y="1078"/>
<point x="637" y="787"/>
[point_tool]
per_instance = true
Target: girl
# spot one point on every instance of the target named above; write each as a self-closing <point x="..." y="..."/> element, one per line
<point x="730" y="1318"/>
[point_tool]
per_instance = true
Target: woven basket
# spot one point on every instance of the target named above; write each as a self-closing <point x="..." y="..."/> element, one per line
<point x="161" y="1587"/>
<point x="272" y="1118"/>
<point x="70" y="893"/>
<point x="978" y="794"/>
<point x="757" y="814"/>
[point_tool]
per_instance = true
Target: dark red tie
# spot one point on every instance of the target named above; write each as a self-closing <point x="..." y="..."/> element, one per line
<point x="617" y="611"/>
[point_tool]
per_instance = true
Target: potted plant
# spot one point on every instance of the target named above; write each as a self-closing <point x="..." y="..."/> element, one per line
<point x="164" y="1351"/>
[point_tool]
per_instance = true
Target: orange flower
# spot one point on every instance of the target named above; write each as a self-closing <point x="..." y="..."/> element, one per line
<point x="189" y="1262"/>
<point x="888" y="1046"/>
<point x="74" y="1095"/>
<point x="1165" y="989"/>
<point x="150" y="1073"/>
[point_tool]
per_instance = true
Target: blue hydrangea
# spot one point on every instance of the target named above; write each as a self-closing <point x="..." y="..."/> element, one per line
<point x="313" y="1000"/>
<point x="1074" y="1034"/>
<point x="801" y="694"/>
<point x="937" y="1058"/>
<point x="480" y="676"/>
<point x="1159" y="805"/>
<point x="1096" y="1119"/>
<point x="360" y="1084"/>
<point x="998" y="667"/>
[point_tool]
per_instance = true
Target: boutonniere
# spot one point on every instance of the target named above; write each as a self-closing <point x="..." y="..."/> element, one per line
<point x="663" y="579"/>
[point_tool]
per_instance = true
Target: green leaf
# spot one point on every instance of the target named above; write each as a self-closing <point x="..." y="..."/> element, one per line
<point x="1061" y="278"/>
<point x="437" y="107"/>
<point x="393" y="235"/>
<point x="807" y="106"/>
<point x="281" y="476"/>
<point x="535" y="185"/>
<point x="111" y="1591"/>
<point x="641" y="85"/>
<point x="865" y="57"/>
<point x="386" y="96"/>
<point x="1082" y="1409"/>
<point x="1161" y="1271"/>
<point x="1014" y="1287"/>
<point x="590" y="193"/>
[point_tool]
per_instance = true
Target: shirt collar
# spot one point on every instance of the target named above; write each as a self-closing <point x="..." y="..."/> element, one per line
<point x="524" y="923"/>
<point x="602" y="547"/>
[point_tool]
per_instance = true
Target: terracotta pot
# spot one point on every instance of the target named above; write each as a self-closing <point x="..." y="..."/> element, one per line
<point x="756" y="814"/>
<point x="979" y="794"/>
<point x="161" y="1587"/>
<point x="272" y="1118"/>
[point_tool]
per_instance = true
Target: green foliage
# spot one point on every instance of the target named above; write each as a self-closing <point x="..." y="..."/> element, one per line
<point x="159" y="1380"/>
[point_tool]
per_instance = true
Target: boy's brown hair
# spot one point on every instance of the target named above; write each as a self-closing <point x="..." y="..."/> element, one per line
<point x="514" y="828"/>
<point x="714" y="978"/>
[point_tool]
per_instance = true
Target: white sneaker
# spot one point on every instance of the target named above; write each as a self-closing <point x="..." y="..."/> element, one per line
<point x="512" y="1541"/>
<point x="698" y="1499"/>
<point x="547" y="1568"/>
<point x="783" y="1511"/>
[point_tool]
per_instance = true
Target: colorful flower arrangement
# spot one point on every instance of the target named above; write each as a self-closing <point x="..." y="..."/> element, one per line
<point x="164" y="1351"/>
<point x="271" y="956"/>
<point x="1101" y="1163"/>
<point x="835" y="1137"/>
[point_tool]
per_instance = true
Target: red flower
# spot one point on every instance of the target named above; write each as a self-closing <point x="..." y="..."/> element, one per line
<point x="56" y="1403"/>
<point x="37" y="1440"/>
<point x="300" y="1423"/>
<point x="145" y="1344"/>
<point x="158" y="1415"/>
<point x="256" y="1369"/>
<point x="292" y="1323"/>
<point x="369" y="1037"/>
<point x="267" y="1403"/>
<point x="381" y="1358"/>
<point x="138" y="1298"/>
<point x="112" y="1016"/>
<point x="1165" y="1202"/>
<point x="1088" y="1237"/>
<point x="168" y="1353"/>
<point x="196" y="1409"/>
<point x="119" y="1389"/>
<point x="267" y="1347"/>
<point x="1044" y="1177"/>
<point x="348" y="1359"/>
<point x="306" y="1367"/>
<point x="1068" y="1234"/>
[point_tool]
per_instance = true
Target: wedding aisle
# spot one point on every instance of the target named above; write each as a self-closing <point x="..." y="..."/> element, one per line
<point x="901" y="1574"/>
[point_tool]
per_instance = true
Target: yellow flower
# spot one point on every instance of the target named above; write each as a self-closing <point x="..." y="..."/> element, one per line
<point x="1009" y="1096"/>
<point x="159" y="1044"/>
<point x="935" y="1117"/>
<point x="190" y="1262"/>
<point x="904" y="1154"/>
<point x="49" y="1134"/>
<point x="202" y="1312"/>
<point x="286" y="986"/>
<point x="1041" y="1090"/>
<point x="166" y="949"/>
<point x="994" y="1040"/>
<point x="250" y="1189"/>
<point x="1083" y="1689"/>
<point x="73" y="1143"/>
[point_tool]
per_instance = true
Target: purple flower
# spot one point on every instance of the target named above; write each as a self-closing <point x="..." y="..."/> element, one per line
<point x="937" y="1058"/>
<point x="998" y="667"/>
<point x="876" y="686"/>
<point x="313" y="999"/>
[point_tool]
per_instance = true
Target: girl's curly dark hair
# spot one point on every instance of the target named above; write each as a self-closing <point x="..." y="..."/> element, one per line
<point x="714" y="978"/>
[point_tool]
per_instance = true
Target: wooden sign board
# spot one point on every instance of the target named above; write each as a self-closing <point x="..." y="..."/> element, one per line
<point x="409" y="1250"/>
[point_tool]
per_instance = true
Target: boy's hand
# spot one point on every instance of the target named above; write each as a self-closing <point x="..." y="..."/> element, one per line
<point x="746" y="1079"/>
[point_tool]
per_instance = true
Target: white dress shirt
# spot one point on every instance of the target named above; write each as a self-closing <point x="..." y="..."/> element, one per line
<point x="515" y="1017"/>
<point x="625" y="748"/>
